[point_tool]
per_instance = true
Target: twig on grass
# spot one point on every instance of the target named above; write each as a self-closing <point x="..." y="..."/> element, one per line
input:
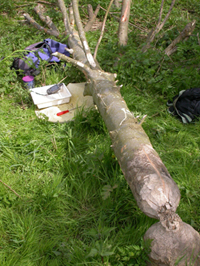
<point x="33" y="3"/>
<point x="10" y="188"/>
<point x="37" y="26"/>
<point x="160" y="65"/>
<point x="102" y="30"/>
<point x="39" y="9"/>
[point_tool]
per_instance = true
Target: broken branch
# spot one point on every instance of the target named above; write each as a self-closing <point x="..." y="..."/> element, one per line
<point x="184" y="35"/>
<point x="10" y="188"/>
<point x="46" y="19"/>
<point x="37" y="26"/>
<point x="159" y="26"/>
<point x="63" y="9"/>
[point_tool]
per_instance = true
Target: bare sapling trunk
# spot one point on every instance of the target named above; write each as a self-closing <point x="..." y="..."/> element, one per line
<point x="183" y="36"/>
<point x="158" y="27"/>
<point x="123" y="24"/>
<point x="155" y="191"/>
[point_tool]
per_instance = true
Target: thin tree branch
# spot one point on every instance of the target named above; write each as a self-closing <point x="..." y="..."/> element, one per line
<point x="116" y="3"/>
<point x="37" y="26"/>
<point x="159" y="26"/>
<point x="63" y="9"/>
<point x="167" y="16"/>
<point x="198" y="38"/>
<point x="161" y="10"/>
<point x="102" y="30"/>
<point x="33" y="3"/>
<point x="118" y="19"/>
<point x="83" y="67"/>
<point x="10" y="188"/>
<point x="71" y="16"/>
<point x="81" y="32"/>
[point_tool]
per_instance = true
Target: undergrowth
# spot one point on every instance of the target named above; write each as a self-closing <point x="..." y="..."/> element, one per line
<point x="69" y="203"/>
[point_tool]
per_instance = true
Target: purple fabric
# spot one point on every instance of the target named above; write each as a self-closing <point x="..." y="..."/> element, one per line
<point x="31" y="59"/>
<point x="50" y="47"/>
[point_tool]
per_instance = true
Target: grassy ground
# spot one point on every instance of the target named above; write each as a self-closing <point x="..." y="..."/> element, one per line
<point x="71" y="204"/>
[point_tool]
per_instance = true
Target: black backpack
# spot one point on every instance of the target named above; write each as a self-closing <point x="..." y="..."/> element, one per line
<point x="186" y="105"/>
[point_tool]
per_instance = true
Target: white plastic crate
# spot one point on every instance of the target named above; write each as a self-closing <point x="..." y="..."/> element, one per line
<point x="43" y="101"/>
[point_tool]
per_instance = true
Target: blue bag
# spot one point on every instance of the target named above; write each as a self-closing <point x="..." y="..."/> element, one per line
<point x="37" y="52"/>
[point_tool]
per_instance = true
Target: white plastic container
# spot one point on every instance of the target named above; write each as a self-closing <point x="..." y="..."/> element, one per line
<point x="43" y="101"/>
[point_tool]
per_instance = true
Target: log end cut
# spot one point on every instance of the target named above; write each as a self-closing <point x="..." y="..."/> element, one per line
<point x="177" y="245"/>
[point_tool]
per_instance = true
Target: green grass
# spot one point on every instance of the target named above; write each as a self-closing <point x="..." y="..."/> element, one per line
<point x="75" y="207"/>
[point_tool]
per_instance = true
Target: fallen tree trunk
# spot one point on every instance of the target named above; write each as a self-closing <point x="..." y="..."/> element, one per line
<point x="156" y="193"/>
<point x="151" y="184"/>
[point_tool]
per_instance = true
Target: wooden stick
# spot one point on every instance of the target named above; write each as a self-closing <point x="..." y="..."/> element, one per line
<point x="102" y="30"/>
<point x="39" y="9"/>
<point x="37" y="26"/>
<point x="10" y="188"/>
<point x="159" y="26"/>
<point x="33" y="3"/>
<point x="161" y="10"/>
<point x="198" y="38"/>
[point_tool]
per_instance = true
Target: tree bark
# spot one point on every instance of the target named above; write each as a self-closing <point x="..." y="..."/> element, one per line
<point x="123" y="24"/>
<point x="154" y="189"/>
